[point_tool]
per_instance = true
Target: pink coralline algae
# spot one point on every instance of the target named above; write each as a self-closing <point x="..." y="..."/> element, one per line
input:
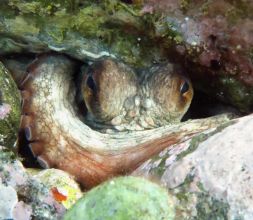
<point x="5" y="110"/>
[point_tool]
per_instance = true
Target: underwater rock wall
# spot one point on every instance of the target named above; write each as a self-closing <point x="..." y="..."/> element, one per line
<point x="10" y="109"/>
<point x="212" y="40"/>
<point x="211" y="174"/>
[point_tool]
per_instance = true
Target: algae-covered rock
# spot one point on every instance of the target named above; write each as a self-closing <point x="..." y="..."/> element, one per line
<point x="63" y="187"/>
<point x="211" y="39"/>
<point x="215" y="45"/>
<point x="211" y="174"/>
<point x="82" y="29"/>
<point x="124" y="198"/>
<point x="9" y="108"/>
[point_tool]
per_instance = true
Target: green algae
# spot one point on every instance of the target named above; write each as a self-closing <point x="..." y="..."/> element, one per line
<point x="198" y="204"/>
<point x="228" y="89"/>
<point x="231" y="90"/>
<point x="235" y="92"/>
<point x="20" y="25"/>
<point x="44" y="7"/>
<point x="124" y="198"/>
<point x="184" y="5"/>
<point x="159" y="170"/>
<point x="6" y="156"/>
<point x="110" y="25"/>
<point x="211" y="208"/>
<point x="195" y="141"/>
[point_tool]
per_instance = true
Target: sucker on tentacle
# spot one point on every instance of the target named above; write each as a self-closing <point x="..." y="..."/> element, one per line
<point x="58" y="138"/>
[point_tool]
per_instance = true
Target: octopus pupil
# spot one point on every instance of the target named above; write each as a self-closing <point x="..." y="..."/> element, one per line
<point x="184" y="88"/>
<point x="127" y="1"/>
<point x="90" y="83"/>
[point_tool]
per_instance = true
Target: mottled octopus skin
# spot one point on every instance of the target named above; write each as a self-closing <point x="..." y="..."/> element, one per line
<point x="58" y="138"/>
<point x="117" y="96"/>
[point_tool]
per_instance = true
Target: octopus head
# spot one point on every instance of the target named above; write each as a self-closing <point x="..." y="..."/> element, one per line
<point x="118" y="96"/>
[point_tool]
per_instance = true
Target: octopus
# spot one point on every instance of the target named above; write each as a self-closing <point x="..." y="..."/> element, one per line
<point x="126" y="117"/>
<point x="115" y="96"/>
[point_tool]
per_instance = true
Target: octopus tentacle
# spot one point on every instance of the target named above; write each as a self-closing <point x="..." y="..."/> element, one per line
<point x="58" y="138"/>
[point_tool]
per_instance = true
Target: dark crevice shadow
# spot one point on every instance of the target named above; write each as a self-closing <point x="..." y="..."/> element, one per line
<point x="203" y="106"/>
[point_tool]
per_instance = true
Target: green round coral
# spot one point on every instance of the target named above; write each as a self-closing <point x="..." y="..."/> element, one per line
<point x="124" y="198"/>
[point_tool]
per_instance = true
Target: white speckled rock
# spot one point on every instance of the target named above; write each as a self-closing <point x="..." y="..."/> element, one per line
<point x="212" y="174"/>
<point x="8" y="201"/>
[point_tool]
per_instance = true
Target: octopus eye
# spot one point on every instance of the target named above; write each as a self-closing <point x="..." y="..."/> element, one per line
<point x="91" y="83"/>
<point x="184" y="87"/>
<point x="127" y="1"/>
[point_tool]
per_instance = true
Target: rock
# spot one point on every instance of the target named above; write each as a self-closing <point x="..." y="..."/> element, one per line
<point x="8" y="201"/>
<point x="22" y="211"/>
<point x="212" y="40"/>
<point x="211" y="174"/>
<point x="9" y="108"/>
<point x="63" y="187"/>
<point x="28" y="197"/>
<point x="124" y="198"/>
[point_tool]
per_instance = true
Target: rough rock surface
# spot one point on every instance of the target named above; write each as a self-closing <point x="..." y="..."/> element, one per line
<point x="212" y="39"/>
<point x="24" y="196"/>
<point x="9" y="108"/>
<point x="211" y="174"/>
<point x="10" y="199"/>
<point x="62" y="185"/>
